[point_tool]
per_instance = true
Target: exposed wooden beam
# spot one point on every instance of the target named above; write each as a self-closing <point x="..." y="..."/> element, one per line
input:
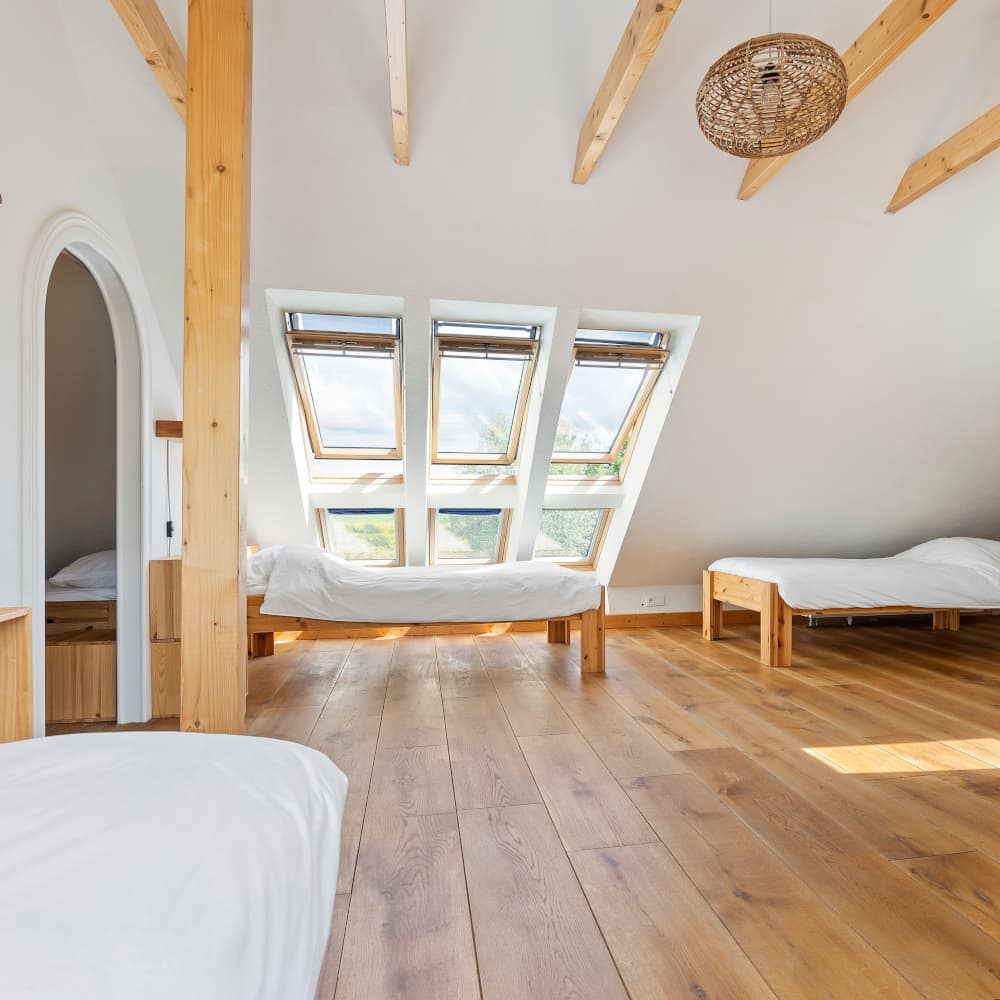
<point x="953" y="155"/>
<point x="886" y="38"/>
<point x="213" y="609"/>
<point x="173" y="429"/>
<point x="158" y="46"/>
<point x="646" y="27"/>
<point x="395" y="36"/>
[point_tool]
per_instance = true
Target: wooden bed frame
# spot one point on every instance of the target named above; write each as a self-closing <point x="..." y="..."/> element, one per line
<point x="776" y="616"/>
<point x="261" y="629"/>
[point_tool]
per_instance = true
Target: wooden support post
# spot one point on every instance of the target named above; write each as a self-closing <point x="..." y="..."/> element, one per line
<point x="947" y="621"/>
<point x="213" y="610"/>
<point x="559" y="631"/>
<point x="15" y="675"/>
<point x="261" y="644"/>
<point x="775" y="628"/>
<point x="711" y="609"/>
<point x="592" y="639"/>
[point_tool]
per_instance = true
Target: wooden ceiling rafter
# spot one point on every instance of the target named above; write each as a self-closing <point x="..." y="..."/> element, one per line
<point x="158" y="47"/>
<point x="645" y="29"/>
<point x="399" y="99"/>
<point x="965" y="147"/>
<point x="879" y="45"/>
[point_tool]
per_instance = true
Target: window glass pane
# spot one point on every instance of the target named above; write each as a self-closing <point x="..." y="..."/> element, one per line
<point x="477" y="405"/>
<point x="567" y="535"/>
<point x="596" y="404"/>
<point x="324" y="323"/>
<point x="354" y="399"/>
<point x="629" y="338"/>
<point x="363" y="535"/>
<point x="467" y="535"/>
<point x="490" y="330"/>
<point x="473" y="471"/>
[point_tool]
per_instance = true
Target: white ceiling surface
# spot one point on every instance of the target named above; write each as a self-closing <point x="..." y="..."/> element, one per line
<point x="842" y="396"/>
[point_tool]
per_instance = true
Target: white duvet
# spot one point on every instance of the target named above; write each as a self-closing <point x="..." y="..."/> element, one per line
<point x="166" y="866"/>
<point x="307" y="582"/>
<point x="943" y="573"/>
<point x="53" y="592"/>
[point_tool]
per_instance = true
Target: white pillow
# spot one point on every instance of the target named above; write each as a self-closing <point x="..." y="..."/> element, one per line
<point x="259" y="567"/>
<point x="97" y="571"/>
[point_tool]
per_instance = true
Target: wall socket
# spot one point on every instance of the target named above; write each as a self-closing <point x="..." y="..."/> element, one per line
<point x="654" y="601"/>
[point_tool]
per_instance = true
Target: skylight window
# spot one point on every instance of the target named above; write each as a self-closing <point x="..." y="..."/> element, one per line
<point x="468" y="535"/>
<point x="572" y="537"/>
<point x="613" y="375"/>
<point x="482" y="374"/>
<point x="348" y="376"/>
<point x="372" y="536"/>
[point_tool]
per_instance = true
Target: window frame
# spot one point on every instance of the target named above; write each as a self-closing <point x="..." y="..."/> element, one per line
<point x="500" y="345"/>
<point x="324" y="534"/>
<point x="589" y="561"/>
<point x="503" y="536"/>
<point x="617" y="355"/>
<point x="307" y="407"/>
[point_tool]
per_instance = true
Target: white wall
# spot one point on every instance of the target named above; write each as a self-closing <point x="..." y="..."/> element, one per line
<point x="79" y="417"/>
<point x="54" y="163"/>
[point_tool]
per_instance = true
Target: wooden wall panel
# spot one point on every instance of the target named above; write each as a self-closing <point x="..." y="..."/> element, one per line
<point x="15" y="675"/>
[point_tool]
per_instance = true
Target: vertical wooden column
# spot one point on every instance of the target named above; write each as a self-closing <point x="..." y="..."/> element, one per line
<point x="15" y="675"/>
<point x="213" y="609"/>
<point x="711" y="609"/>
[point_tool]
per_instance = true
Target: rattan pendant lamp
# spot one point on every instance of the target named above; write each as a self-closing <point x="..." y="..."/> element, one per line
<point x="772" y="95"/>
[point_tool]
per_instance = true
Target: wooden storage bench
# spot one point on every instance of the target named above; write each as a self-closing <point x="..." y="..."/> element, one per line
<point x="81" y="681"/>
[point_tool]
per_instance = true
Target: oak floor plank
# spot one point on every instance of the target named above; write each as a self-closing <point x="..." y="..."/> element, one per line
<point x="627" y="749"/>
<point x="801" y="948"/>
<point x="532" y="710"/>
<point x="411" y="781"/>
<point x="535" y="934"/>
<point x="938" y="951"/>
<point x="587" y="806"/>
<point x="460" y="667"/>
<point x="488" y="768"/>
<point x="413" y="715"/>
<point x="669" y="723"/>
<point x="667" y="940"/>
<point x="347" y="732"/>
<point x="293" y="724"/>
<point x="326" y="989"/>
<point x="408" y="930"/>
<point x="503" y="659"/>
<point x="969" y="883"/>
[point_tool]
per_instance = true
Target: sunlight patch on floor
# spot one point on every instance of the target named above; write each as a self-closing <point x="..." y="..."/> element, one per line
<point x="979" y="754"/>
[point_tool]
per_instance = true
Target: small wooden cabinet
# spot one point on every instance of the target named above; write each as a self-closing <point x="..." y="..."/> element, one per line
<point x="165" y="635"/>
<point x="81" y="681"/>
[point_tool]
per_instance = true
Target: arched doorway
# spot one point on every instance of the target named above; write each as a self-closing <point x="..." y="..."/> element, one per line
<point x="91" y="248"/>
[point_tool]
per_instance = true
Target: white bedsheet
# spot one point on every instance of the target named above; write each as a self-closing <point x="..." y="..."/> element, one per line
<point x="53" y="592"/>
<point x="307" y="582"/>
<point x="166" y="866"/>
<point x="943" y="573"/>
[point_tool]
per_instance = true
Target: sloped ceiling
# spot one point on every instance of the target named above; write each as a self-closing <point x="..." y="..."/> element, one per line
<point x="842" y="395"/>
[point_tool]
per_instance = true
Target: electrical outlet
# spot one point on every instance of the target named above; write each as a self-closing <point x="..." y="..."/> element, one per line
<point x="654" y="601"/>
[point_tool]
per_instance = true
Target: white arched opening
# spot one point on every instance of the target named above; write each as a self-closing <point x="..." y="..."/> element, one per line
<point x="85" y="240"/>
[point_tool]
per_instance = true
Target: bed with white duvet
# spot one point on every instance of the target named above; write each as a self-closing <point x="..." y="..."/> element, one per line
<point x="943" y="573"/>
<point x="166" y="865"/>
<point x="307" y="582"/>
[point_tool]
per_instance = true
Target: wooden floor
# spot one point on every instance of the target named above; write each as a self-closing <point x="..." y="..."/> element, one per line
<point x="691" y="825"/>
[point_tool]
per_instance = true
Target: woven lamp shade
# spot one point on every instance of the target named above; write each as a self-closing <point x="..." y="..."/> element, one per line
<point x="772" y="95"/>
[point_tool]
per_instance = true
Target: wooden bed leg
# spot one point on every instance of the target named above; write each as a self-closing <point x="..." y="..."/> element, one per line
<point x="775" y="628"/>
<point x="711" y="609"/>
<point x="592" y="639"/>
<point x="262" y="644"/>
<point x="559" y="631"/>
<point x="947" y="621"/>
